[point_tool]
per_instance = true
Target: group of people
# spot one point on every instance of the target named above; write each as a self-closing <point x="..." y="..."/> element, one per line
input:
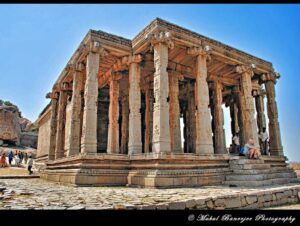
<point x="249" y="149"/>
<point x="19" y="157"/>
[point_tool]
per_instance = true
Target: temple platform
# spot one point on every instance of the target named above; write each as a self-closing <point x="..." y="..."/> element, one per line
<point x="165" y="170"/>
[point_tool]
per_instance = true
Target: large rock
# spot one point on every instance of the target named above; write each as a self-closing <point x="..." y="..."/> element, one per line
<point x="16" y="129"/>
<point x="9" y="124"/>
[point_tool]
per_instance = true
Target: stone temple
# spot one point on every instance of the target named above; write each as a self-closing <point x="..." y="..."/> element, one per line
<point x="117" y="109"/>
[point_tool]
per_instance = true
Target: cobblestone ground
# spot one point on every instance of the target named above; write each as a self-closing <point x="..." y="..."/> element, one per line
<point x="41" y="194"/>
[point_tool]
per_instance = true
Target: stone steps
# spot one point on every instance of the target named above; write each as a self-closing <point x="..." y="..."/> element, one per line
<point x="246" y="161"/>
<point x="254" y="166"/>
<point x="259" y="183"/>
<point x="255" y="173"/>
<point x="258" y="177"/>
<point x="263" y="171"/>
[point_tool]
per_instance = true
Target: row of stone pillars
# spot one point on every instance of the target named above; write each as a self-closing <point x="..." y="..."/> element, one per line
<point x="164" y="133"/>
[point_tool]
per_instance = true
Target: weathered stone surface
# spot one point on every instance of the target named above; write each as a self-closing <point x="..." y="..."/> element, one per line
<point x="220" y="202"/>
<point x="177" y="206"/>
<point x="251" y="199"/>
<point x="233" y="203"/>
<point x="210" y="204"/>
<point x="190" y="203"/>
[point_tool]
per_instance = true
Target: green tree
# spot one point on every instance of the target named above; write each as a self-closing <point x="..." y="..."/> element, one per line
<point x="8" y="103"/>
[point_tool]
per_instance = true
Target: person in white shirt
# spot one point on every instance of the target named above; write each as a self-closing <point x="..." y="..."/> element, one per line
<point x="263" y="136"/>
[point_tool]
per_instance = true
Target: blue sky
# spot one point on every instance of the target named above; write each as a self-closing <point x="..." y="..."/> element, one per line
<point x="36" y="41"/>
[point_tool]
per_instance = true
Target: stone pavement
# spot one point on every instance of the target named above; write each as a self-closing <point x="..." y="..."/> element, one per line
<point x="41" y="194"/>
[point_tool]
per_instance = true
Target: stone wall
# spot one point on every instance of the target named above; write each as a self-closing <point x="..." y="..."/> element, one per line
<point x="44" y="138"/>
<point x="250" y="200"/>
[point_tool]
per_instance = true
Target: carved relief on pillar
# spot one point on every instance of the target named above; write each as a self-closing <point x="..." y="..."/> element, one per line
<point x="175" y="134"/>
<point x="204" y="142"/>
<point x="73" y="147"/>
<point x="89" y="122"/>
<point x="135" y="134"/>
<point x="60" y="132"/>
<point x="125" y="123"/>
<point x="148" y="118"/>
<point x="274" y="129"/>
<point x="160" y="42"/>
<point x="247" y="103"/>
<point x="113" y="126"/>
<point x="53" y="123"/>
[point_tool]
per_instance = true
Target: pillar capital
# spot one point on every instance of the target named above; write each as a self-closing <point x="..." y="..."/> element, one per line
<point x="259" y="92"/>
<point x="115" y="76"/>
<point x="245" y="69"/>
<point x="176" y="74"/>
<point x="137" y="58"/>
<point x="75" y="67"/>
<point x="94" y="47"/>
<point x="164" y="37"/>
<point x="202" y="50"/>
<point x="52" y="95"/>
<point x="273" y="76"/>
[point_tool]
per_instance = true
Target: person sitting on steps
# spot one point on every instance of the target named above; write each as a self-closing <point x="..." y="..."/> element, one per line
<point x="250" y="150"/>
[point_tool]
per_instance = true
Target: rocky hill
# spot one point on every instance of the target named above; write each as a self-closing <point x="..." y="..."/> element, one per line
<point x="14" y="129"/>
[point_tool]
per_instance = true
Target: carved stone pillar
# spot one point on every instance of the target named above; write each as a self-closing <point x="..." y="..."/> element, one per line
<point x="60" y="131"/>
<point x="247" y="104"/>
<point x="191" y="119"/>
<point x="53" y="124"/>
<point x="238" y="114"/>
<point x="218" y="118"/>
<point x="75" y="125"/>
<point x="89" y="122"/>
<point x="175" y="134"/>
<point x="204" y="142"/>
<point x="135" y="133"/>
<point x="148" y="119"/>
<point x="234" y="118"/>
<point x="124" y="127"/>
<point x="161" y="129"/>
<point x="113" y="115"/>
<point x="274" y="129"/>
<point x="260" y="109"/>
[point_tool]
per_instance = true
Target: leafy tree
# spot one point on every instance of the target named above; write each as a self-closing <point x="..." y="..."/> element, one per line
<point x="8" y="103"/>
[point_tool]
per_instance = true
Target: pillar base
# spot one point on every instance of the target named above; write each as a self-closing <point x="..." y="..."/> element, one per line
<point x="204" y="149"/>
<point x="161" y="146"/>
